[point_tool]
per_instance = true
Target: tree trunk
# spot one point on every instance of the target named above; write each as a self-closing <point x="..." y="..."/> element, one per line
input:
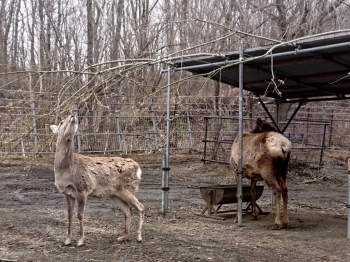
<point x="90" y="61"/>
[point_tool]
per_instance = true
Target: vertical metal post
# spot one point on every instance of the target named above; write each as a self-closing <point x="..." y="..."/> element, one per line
<point x="120" y="145"/>
<point x="323" y="142"/>
<point x="240" y="134"/>
<point x="205" y="138"/>
<point x="331" y="129"/>
<point x="189" y="124"/>
<point x="33" y="112"/>
<point x="165" y="177"/>
<point x="78" y="132"/>
<point x="278" y="125"/>
<point x="348" y="205"/>
<point x="35" y="133"/>
<point x="307" y="126"/>
<point x="155" y="135"/>
<point x="165" y="182"/>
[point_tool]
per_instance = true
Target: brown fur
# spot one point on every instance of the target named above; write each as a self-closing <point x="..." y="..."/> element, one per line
<point x="266" y="155"/>
<point x="78" y="176"/>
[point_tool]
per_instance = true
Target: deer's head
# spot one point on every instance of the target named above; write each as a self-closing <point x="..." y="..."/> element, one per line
<point x="262" y="126"/>
<point x="66" y="130"/>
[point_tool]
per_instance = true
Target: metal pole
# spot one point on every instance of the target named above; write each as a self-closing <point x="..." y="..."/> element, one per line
<point x="348" y="205"/>
<point x="164" y="185"/>
<point x="322" y="143"/>
<point x="273" y="200"/>
<point x="209" y="66"/>
<point x="120" y="145"/>
<point x="240" y="134"/>
<point x="165" y="177"/>
<point x="78" y="132"/>
<point x="154" y="125"/>
<point x="35" y="134"/>
<point x="189" y="124"/>
<point x="331" y="129"/>
<point x="205" y="138"/>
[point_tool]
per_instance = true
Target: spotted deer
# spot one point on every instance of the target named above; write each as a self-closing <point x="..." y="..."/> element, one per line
<point x="78" y="176"/>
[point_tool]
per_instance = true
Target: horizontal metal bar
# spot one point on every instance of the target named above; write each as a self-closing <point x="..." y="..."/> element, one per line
<point x="215" y="161"/>
<point x="237" y="61"/>
<point x="305" y="100"/>
<point x="218" y="141"/>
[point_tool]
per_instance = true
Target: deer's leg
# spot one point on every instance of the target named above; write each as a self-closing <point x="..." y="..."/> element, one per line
<point x="70" y="205"/>
<point x="273" y="185"/>
<point x="285" y="203"/>
<point x="270" y="178"/>
<point x="132" y="201"/>
<point x="126" y="209"/>
<point x="277" y="193"/>
<point x="141" y="210"/>
<point x="81" y="207"/>
<point x="253" y="195"/>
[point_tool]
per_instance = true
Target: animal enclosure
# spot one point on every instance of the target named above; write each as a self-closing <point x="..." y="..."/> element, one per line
<point x="315" y="129"/>
<point x="123" y="123"/>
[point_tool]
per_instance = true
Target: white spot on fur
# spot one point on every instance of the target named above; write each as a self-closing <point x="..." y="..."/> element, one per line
<point x="138" y="173"/>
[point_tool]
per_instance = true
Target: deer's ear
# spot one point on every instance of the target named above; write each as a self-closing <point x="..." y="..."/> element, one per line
<point x="259" y="122"/>
<point x="54" y="129"/>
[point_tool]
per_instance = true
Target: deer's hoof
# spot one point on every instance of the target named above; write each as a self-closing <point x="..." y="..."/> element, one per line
<point x="67" y="242"/>
<point x="123" y="238"/>
<point x="277" y="226"/>
<point x="80" y="243"/>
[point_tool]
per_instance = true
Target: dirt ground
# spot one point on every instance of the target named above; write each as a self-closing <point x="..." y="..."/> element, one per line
<point x="33" y="217"/>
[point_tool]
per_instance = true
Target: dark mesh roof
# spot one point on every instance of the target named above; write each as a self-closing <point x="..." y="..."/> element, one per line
<point x="316" y="67"/>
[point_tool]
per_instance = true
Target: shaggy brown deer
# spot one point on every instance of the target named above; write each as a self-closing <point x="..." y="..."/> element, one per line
<point x="265" y="155"/>
<point x="78" y="176"/>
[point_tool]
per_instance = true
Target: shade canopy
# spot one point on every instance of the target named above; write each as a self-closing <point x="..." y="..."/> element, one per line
<point x="312" y="68"/>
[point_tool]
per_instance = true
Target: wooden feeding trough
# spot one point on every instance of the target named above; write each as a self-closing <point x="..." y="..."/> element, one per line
<point x="218" y="195"/>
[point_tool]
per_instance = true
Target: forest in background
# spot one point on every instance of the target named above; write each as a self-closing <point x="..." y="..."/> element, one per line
<point x="118" y="44"/>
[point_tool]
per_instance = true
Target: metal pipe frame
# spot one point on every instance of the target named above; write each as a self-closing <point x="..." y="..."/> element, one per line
<point x="240" y="61"/>
<point x="165" y="175"/>
<point x="268" y="56"/>
<point x="240" y="144"/>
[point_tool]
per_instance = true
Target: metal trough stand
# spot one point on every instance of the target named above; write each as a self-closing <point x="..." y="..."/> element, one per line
<point x="226" y="194"/>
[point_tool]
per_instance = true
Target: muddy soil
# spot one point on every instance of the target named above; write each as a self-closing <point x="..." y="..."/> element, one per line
<point x="33" y="217"/>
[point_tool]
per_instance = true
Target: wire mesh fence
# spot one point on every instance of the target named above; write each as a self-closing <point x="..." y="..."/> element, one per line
<point x="317" y="127"/>
<point x="124" y="124"/>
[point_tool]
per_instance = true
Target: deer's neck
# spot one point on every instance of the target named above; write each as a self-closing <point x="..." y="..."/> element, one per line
<point x="63" y="157"/>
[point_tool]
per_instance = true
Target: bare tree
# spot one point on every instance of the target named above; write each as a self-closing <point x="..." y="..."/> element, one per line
<point x="60" y="35"/>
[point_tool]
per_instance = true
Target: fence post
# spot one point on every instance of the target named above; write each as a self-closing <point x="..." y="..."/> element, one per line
<point x="331" y="129"/>
<point x="348" y="205"/>
<point x="240" y="144"/>
<point x="34" y="115"/>
<point x="189" y="124"/>
<point x="120" y="145"/>
<point x="78" y="132"/>
<point x="166" y="169"/>
<point x="307" y="126"/>
<point x="205" y="139"/>
<point x="154" y="125"/>
<point x="322" y="142"/>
